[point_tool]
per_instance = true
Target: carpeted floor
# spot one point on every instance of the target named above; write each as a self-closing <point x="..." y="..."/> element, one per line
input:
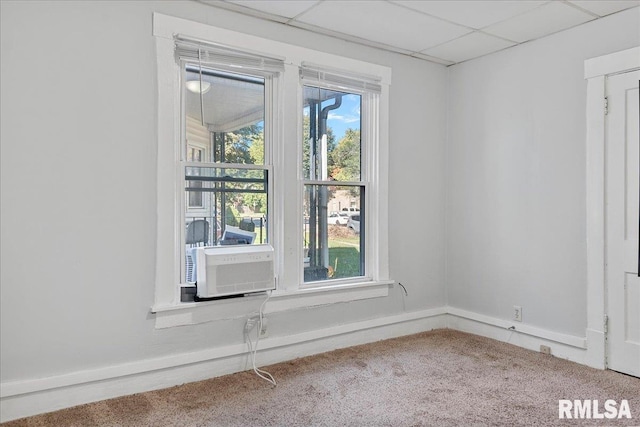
<point x="437" y="378"/>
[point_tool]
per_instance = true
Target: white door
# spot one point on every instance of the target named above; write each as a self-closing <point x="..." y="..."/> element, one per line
<point x="622" y="190"/>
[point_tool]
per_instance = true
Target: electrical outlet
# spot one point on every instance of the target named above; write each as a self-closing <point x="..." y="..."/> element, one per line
<point x="545" y="349"/>
<point x="251" y="323"/>
<point x="264" y="332"/>
<point x="517" y="313"/>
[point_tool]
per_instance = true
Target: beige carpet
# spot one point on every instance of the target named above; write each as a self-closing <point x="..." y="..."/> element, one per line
<point x="438" y="378"/>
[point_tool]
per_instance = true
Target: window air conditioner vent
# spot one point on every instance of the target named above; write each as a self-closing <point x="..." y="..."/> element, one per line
<point x="226" y="271"/>
<point x="190" y="265"/>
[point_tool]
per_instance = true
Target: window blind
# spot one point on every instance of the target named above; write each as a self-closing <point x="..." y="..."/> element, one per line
<point x="334" y="79"/>
<point x="213" y="54"/>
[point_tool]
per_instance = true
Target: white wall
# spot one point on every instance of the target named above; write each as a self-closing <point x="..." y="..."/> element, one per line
<point x="516" y="207"/>
<point x="78" y="195"/>
<point x="78" y="185"/>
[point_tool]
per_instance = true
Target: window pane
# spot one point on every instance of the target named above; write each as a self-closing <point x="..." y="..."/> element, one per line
<point x="235" y="205"/>
<point x="333" y="232"/>
<point x="233" y="109"/>
<point x="224" y="123"/>
<point x="331" y="139"/>
<point x="195" y="197"/>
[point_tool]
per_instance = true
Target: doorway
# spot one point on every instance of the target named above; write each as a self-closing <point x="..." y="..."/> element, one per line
<point x="613" y="286"/>
<point x="621" y="223"/>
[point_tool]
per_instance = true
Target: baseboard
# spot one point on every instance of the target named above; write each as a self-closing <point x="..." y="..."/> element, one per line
<point x="563" y="346"/>
<point x="25" y="398"/>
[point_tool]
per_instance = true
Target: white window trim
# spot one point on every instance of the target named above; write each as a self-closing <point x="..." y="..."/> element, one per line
<point x="290" y="289"/>
<point x="207" y="311"/>
<point x="369" y="176"/>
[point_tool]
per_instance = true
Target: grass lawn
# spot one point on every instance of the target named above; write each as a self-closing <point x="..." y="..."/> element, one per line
<point x="344" y="256"/>
<point x="344" y="252"/>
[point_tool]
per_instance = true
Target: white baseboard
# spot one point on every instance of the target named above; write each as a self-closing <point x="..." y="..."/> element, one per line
<point x="563" y="346"/>
<point x="25" y="398"/>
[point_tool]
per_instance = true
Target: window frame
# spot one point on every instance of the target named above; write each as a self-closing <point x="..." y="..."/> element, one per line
<point x="270" y="81"/>
<point x="285" y="216"/>
<point x="369" y="103"/>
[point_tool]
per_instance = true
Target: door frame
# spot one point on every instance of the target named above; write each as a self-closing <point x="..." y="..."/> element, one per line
<point x="596" y="71"/>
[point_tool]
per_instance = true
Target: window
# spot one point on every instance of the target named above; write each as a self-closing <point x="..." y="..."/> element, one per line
<point x="331" y="163"/>
<point x="335" y="145"/>
<point x="255" y="145"/>
<point x="225" y="170"/>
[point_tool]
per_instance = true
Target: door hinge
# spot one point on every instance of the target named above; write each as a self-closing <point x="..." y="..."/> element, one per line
<point x="606" y="105"/>
<point x="606" y="324"/>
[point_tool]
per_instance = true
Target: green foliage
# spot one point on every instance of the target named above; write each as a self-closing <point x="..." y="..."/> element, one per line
<point x="257" y="202"/>
<point x="256" y="150"/>
<point x="345" y="261"/>
<point x="232" y="215"/>
<point x="331" y="145"/>
<point x="238" y="144"/>
<point x="244" y="146"/>
<point x="346" y="157"/>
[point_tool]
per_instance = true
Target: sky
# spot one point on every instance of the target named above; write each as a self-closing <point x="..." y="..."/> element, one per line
<point x="347" y="116"/>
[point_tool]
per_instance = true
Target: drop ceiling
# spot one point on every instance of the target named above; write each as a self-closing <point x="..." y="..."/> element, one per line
<point x="442" y="31"/>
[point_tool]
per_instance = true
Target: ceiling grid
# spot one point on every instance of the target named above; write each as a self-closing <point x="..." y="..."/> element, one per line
<point x="441" y="31"/>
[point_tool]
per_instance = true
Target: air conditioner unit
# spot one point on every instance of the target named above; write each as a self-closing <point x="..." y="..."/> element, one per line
<point x="190" y="265"/>
<point x="234" y="270"/>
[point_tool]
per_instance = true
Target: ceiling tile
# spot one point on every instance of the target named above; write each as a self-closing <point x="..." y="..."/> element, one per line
<point x="382" y="22"/>
<point x="467" y="47"/>
<point x="286" y="8"/>
<point x="604" y="8"/>
<point x="472" y="13"/>
<point x="539" y="22"/>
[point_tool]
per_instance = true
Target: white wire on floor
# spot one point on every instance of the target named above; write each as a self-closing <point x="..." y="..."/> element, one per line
<point x="253" y="350"/>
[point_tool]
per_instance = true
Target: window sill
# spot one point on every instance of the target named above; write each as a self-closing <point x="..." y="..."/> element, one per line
<point x="193" y="313"/>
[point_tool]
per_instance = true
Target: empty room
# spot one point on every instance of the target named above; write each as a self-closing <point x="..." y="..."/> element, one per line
<point x="319" y="213"/>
